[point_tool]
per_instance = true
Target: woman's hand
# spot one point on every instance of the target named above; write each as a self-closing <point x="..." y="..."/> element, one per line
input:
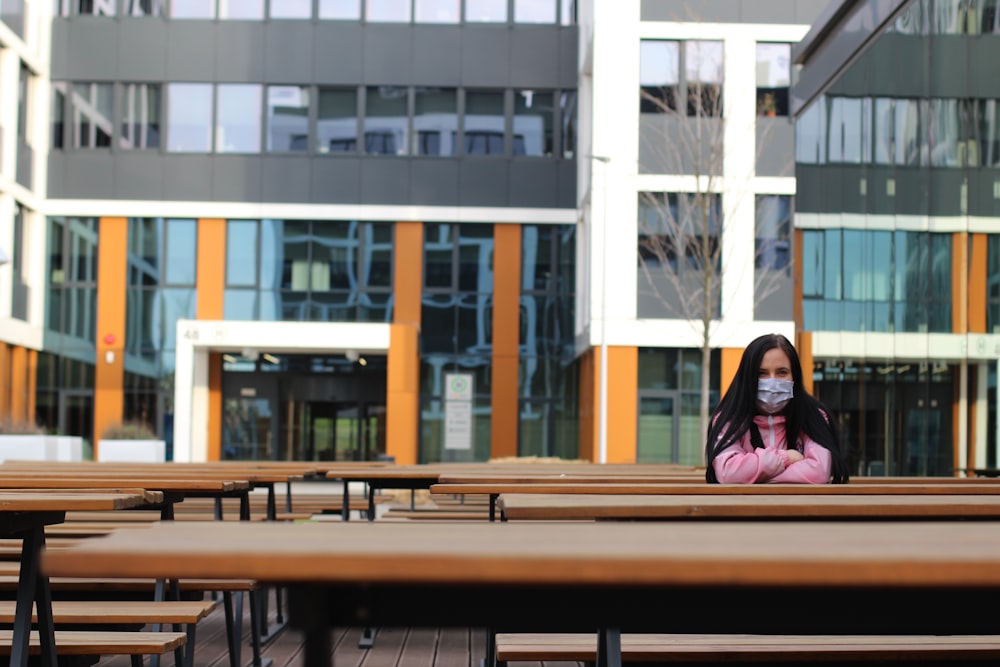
<point x="794" y="456"/>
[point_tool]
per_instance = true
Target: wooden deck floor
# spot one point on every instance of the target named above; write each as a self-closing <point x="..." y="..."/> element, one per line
<point x="407" y="647"/>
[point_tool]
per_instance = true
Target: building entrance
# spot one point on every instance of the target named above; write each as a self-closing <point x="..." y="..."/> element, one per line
<point x="303" y="408"/>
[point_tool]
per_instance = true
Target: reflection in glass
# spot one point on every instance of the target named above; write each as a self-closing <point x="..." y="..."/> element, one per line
<point x="438" y="247"/>
<point x="567" y="115"/>
<point x="810" y="134"/>
<point x="436" y="11"/>
<point x="287" y="118"/>
<point x="340" y="10"/>
<point x="92" y="113"/>
<point x="189" y="117"/>
<point x="435" y="121"/>
<point x="989" y="132"/>
<point x="534" y="11"/>
<point x="773" y="232"/>
<point x="533" y="113"/>
<point x="181" y="248"/>
<point x="58" y="115"/>
<point x="237" y="125"/>
<point x="387" y="11"/>
<point x="337" y="121"/>
<point x="290" y="9"/>
<point x="140" y="116"/>
<point x="192" y="9"/>
<point x="703" y="68"/>
<point x="484" y="123"/>
<point x="241" y="9"/>
<point x="241" y="253"/>
<point x="567" y="12"/>
<point x="773" y="78"/>
<point x="96" y="7"/>
<point x="385" y="120"/>
<point x="486" y="11"/>
<point x="145" y="7"/>
<point x="659" y="75"/>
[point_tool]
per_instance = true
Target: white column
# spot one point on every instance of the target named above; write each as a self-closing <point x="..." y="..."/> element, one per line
<point x="963" y="414"/>
<point x="183" y="385"/>
<point x="982" y="413"/>
<point x="199" y="406"/>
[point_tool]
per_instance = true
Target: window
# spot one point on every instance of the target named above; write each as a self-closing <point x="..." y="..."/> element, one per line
<point x="192" y="9"/>
<point x="23" y="87"/>
<point x="337" y="121"/>
<point x="436" y="11"/>
<point x="291" y="9"/>
<point x="340" y="10"/>
<point x="484" y="123"/>
<point x="189" y="117"/>
<point x="72" y="278"/>
<point x="659" y="76"/>
<point x="773" y="242"/>
<point x="58" y="115"/>
<point x="92" y="109"/>
<point x="535" y="11"/>
<point x="144" y="7"/>
<point x="241" y="9"/>
<point x="672" y="231"/>
<point x="237" y="123"/>
<point x="703" y="70"/>
<point x="140" y="116"/>
<point x="387" y="11"/>
<point x="435" y="121"/>
<point x="486" y="11"/>
<point x="567" y="116"/>
<point x="95" y="7"/>
<point x="386" y="120"/>
<point x="287" y="118"/>
<point x="533" y="120"/>
<point x="773" y="78"/>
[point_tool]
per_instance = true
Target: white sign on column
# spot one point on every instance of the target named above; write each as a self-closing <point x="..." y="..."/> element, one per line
<point x="459" y="392"/>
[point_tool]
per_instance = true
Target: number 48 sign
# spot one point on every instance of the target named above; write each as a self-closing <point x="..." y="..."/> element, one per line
<point x="459" y="392"/>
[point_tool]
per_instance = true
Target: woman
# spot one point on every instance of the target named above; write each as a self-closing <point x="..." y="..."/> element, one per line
<point x="766" y="408"/>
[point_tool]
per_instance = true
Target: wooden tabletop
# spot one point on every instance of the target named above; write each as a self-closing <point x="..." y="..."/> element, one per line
<point x="649" y="488"/>
<point x="738" y="553"/>
<point x="184" y="485"/>
<point x="14" y="501"/>
<point x="594" y="506"/>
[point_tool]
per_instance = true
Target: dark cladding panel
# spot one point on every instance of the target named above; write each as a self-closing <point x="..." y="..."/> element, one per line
<point x="483" y="183"/>
<point x="435" y="55"/>
<point x="236" y="178"/>
<point x="138" y="175"/>
<point x="533" y="183"/>
<point x="569" y="55"/>
<point x="60" y="50"/>
<point x="385" y="181"/>
<point x="187" y="177"/>
<point x="57" y="174"/>
<point x="337" y="53"/>
<point x="775" y="147"/>
<point x="534" y="57"/>
<point x="88" y="175"/>
<point x="94" y="44"/>
<point x="288" y="51"/>
<point x="485" y="56"/>
<point x="191" y="51"/>
<point x="433" y="182"/>
<point x="336" y="180"/>
<point x="387" y="55"/>
<point x="141" y="46"/>
<point x="722" y="11"/>
<point x="238" y="53"/>
<point x="285" y="179"/>
<point x="566" y="184"/>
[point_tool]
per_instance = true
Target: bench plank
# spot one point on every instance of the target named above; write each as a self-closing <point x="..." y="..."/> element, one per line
<point x="86" y="642"/>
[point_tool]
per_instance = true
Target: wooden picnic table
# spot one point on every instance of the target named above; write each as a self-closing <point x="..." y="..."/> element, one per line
<point x="551" y="506"/>
<point x="494" y="489"/>
<point x="920" y="577"/>
<point x="25" y="515"/>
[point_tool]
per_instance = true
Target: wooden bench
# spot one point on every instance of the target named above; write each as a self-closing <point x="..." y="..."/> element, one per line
<point x="729" y="648"/>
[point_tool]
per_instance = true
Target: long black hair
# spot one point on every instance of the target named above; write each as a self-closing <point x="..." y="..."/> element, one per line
<point x="733" y="417"/>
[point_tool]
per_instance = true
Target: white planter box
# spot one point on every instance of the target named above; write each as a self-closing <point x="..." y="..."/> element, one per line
<point x="41" y="448"/>
<point x="135" y="451"/>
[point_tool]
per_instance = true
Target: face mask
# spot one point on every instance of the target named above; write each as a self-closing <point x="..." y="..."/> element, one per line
<point x="773" y="394"/>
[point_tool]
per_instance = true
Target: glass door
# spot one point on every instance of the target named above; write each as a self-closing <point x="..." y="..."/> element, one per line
<point x="658" y="428"/>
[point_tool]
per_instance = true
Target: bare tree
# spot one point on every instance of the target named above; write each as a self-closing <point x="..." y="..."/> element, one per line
<point x="680" y="233"/>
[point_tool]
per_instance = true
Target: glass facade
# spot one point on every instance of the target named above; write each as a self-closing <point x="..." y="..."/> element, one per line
<point x="897" y="170"/>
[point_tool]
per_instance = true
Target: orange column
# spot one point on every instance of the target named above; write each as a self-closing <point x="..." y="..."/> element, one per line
<point x="803" y="345"/>
<point x="623" y="404"/>
<point x="19" y="384"/>
<point x="506" y="340"/>
<point x="588" y="405"/>
<point x="960" y="282"/>
<point x="112" y="281"/>
<point x="977" y="284"/>
<point x="403" y="364"/>
<point x="730" y="361"/>
<point x="211" y="288"/>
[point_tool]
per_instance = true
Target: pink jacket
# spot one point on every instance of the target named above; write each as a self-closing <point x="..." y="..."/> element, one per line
<point x="740" y="463"/>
